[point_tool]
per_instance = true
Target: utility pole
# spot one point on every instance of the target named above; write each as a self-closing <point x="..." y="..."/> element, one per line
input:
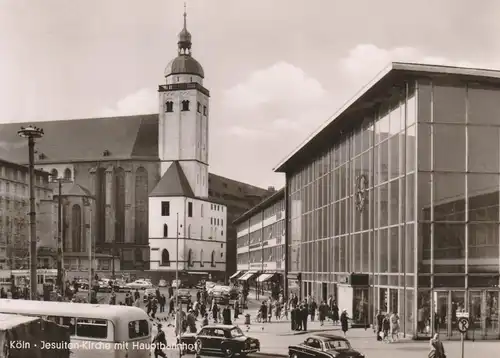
<point x="32" y="133"/>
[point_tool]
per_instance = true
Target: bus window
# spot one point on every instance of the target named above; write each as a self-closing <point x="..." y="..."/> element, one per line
<point x="70" y="323"/>
<point x="138" y="329"/>
<point x="92" y="328"/>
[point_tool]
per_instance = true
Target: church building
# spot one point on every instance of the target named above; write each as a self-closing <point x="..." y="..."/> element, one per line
<point x="137" y="174"/>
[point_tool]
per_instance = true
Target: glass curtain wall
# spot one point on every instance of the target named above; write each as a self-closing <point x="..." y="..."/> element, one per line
<point x="352" y="210"/>
<point x="458" y="216"/>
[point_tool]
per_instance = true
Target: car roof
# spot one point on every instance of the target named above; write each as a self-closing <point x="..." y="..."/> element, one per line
<point x="327" y="337"/>
<point x="221" y="326"/>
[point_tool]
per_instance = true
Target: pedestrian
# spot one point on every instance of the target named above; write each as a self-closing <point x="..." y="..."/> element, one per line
<point x="335" y="313"/>
<point x="149" y="306"/>
<point x="163" y="301"/>
<point x="215" y="312"/>
<point x="204" y="322"/>
<point x="437" y="348"/>
<point x="379" y="325"/>
<point x="344" y="321"/>
<point x="263" y="312"/>
<point x="394" y="327"/>
<point x="323" y="311"/>
<point x="137" y="294"/>
<point x="293" y="319"/>
<point x="236" y="309"/>
<point x="171" y="307"/>
<point x="159" y="342"/>
<point x="386" y="326"/>
<point x="313" y="306"/>
<point x="304" y="314"/>
<point x="154" y="307"/>
<point x="269" y="309"/>
<point x="226" y="315"/>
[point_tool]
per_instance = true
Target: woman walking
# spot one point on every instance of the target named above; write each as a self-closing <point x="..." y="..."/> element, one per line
<point x="344" y="321"/>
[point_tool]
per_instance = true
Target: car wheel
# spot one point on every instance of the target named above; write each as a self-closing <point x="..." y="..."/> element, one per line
<point x="294" y="355"/>
<point x="228" y="352"/>
<point x="198" y="346"/>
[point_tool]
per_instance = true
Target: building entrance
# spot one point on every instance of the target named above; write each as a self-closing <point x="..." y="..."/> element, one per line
<point x="482" y="306"/>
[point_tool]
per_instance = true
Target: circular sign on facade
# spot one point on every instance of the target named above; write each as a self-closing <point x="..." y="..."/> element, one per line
<point x="463" y="324"/>
<point x="361" y="195"/>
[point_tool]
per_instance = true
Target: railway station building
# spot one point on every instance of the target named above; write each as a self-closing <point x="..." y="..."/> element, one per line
<point x="393" y="204"/>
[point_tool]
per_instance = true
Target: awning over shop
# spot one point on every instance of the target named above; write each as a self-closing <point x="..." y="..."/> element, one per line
<point x="264" y="277"/>
<point x="236" y="274"/>
<point x="247" y="276"/>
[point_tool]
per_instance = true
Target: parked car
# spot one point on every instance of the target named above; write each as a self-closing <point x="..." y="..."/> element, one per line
<point x="162" y="283"/>
<point x="183" y="295"/>
<point x="119" y="285"/>
<point x="220" y="295"/>
<point x="226" y="339"/>
<point x="139" y="284"/>
<point x="176" y="283"/>
<point x="83" y="284"/>
<point x="104" y="286"/>
<point x="209" y="285"/>
<point x="324" y="345"/>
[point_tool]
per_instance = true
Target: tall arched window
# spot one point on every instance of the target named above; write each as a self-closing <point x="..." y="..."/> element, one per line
<point x="141" y="206"/>
<point x="201" y="210"/>
<point x="189" y="231"/>
<point x="201" y="257"/>
<point x="165" y="230"/>
<point x="119" y="205"/>
<point x="201" y="233"/>
<point x="190" y="258"/>
<point x="212" y="259"/>
<point x="67" y="174"/>
<point x="76" y="228"/>
<point x="165" y="258"/>
<point x="54" y="174"/>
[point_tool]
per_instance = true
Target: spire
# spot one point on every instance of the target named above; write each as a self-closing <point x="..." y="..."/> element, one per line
<point x="184" y="42"/>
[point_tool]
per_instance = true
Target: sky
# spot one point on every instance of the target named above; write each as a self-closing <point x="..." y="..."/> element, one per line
<point x="276" y="69"/>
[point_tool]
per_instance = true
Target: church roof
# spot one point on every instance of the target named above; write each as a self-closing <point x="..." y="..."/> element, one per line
<point x="90" y="139"/>
<point x="71" y="189"/>
<point x="173" y="183"/>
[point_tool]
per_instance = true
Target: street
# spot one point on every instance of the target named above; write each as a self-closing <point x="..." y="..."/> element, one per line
<point x="275" y="337"/>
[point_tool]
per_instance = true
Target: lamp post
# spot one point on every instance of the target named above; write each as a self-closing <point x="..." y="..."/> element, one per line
<point x="31" y="133"/>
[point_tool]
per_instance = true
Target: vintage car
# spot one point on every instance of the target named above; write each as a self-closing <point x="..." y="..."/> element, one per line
<point x="139" y="284"/>
<point x="220" y="295"/>
<point x="183" y="295"/>
<point x="162" y="283"/>
<point x="228" y="340"/>
<point x="324" y="345"/>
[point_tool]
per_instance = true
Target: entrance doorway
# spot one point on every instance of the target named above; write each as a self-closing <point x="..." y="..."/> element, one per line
<point x="324" y="291"/>
<point x="483" y="309"/>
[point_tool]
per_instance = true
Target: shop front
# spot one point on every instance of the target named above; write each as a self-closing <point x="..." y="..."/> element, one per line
<point x="442" y="305"/>
<point x="353" y="296"/>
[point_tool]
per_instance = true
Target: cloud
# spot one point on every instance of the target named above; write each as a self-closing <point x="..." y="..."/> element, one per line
<point x="272" y="100"/>
<point x="279" y="84"/>
<point x="144" y="101"/>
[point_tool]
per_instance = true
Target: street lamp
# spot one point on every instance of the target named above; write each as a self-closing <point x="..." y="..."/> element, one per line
<point x="31" y="133"/>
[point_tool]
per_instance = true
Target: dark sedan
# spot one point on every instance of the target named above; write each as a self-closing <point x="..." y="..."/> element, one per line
<point x="225" y="339"/>
<point x="324" y="345"/>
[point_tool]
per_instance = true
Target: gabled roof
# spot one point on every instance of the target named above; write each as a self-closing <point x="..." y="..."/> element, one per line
<point x="86" y="139"/>
<point x="173" y="183"/>
<point x="71" y="189"/>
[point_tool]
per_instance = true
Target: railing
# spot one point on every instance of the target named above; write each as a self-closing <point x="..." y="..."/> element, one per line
<point x="184" y="86"/>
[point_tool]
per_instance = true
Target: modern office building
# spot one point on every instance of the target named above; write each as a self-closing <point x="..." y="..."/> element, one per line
<point x="261" y="244"/>
<point x="14" y="209"/>
<point x="393" y="204"/>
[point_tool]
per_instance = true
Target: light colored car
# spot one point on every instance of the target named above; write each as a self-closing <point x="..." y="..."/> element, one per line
<point x="139" y="284"/>
<point x="209" y="285"/>
<point x="162" y="283"/>
<point x="150" y="292"/>
<point x="176" y="283"/>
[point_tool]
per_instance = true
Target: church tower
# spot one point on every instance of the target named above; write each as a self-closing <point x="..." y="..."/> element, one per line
<point x="183" y="117"/>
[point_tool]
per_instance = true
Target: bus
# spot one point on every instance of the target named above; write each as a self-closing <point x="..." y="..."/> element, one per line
<point x="22" y="277"/>
<point x="95" y="330"/>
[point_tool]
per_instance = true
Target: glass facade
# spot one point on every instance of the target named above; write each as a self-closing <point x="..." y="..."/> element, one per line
<point x="411" y="198"/>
